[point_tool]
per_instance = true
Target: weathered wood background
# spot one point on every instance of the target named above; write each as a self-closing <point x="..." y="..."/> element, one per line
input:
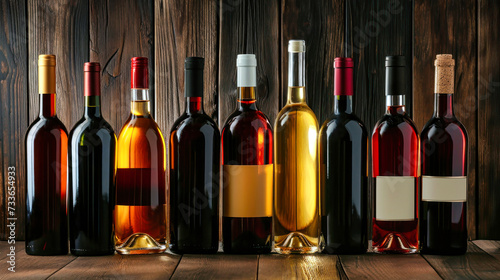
<point x="166" y="31"/>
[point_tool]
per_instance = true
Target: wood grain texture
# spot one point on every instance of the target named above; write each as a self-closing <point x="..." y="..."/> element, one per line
<point x="249" y="27"/>
<point x="159" y="266"/>
<point x="476" y="264"/>
<point x="376" y="29"/>
<point x="5" y="248"/>
<point x="488" y="130"/>
<point x="61" y="28"/>
<point x="33" y="267"/>
<point x="14" y="110"/>
<point x="322" y="25"/>
<point x="376" y="266"/>
<point x="217" y="266"/>
<point x="453" y="34"/>
<point x="120" y="30"/>
<point x="319" y="266"/>
<point x="489" y="246"/>
<point x="177" y="37"/>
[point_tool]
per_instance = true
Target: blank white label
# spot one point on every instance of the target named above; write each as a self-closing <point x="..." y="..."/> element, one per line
<point x="395" y="198"/>
<point x="444" y="189"/>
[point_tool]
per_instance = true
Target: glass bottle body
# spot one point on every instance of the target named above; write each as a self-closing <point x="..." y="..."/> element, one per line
<point x="344" y="179"/>
<point x="194" y="181"/>
<point x="247" y="147"/>
<point x="140" y="214"/>
<point x="91" y="195"/>
<point x="46" y="179"/>
<point x="296" y="192"/>
<point x="443" y="222"/>
<point x="395" y="147"/>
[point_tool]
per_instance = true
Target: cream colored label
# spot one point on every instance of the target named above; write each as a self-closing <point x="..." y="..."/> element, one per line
<point x="395" y="198"/>
<point x="444" y="189"/>
<point x="248" y="190"/>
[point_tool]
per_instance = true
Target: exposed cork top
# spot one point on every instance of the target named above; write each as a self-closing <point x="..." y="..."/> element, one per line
<point x="444" y="74"/>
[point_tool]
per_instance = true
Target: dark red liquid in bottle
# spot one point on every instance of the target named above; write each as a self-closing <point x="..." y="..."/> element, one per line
<point x="443" y="224"/>
<point x="247" y="139"/>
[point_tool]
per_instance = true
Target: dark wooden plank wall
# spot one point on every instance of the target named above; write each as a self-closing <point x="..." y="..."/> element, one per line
<point x="488" y="129"/>
<point x="167" y="31"/>
<point x="14" y="105"/>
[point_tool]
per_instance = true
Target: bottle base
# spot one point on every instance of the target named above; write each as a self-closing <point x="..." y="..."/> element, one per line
<point x="296" y="243"/>
<point x="395" y="244"/>
<point x="140" y="244"/>
<point x="90" y="253"/>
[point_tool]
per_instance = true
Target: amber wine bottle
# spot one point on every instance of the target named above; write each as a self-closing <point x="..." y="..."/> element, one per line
<point x="46" y="169"/>
<point x="296" y="191"/>
<point x="140" y="225"/>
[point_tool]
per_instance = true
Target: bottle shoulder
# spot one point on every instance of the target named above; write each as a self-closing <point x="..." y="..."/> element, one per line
<point x="194" y="123"/>
<point x="441" y="128"/>
<point x="390" y="122"/>
<point x="296" y="112"/>
<point x="242" y="120"/>
<point x="94" y="128"/>
<point x="46" y="126"/>
<point x="343" y="123"/>
<point x="140" y="127"/>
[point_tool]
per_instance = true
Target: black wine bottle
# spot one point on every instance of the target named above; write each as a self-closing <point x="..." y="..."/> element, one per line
<point x="92" y="169"/>
<point x="343" y="169"/>
<point x="194" y="171"/>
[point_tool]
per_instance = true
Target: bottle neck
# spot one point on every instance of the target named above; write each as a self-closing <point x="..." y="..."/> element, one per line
<point x="140" y="105"/>
<point x="92" y="107"/>
<point x="246" y="98"/>
<point x="296" y="77"/>
<point x="395" y="104"/>
<point x="194" y="105"/>
<point x="47" y="105"/>
<point x="443" y="106"/>
<point x="343" y="104"/>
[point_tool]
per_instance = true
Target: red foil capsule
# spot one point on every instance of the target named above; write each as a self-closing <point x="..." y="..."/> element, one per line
<point x="139" y="73"/>
<point x="91" y="79"/>
<point x="343" y="76"/>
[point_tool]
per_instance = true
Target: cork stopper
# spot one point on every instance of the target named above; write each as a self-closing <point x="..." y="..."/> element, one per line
<point x="444" y="74"/>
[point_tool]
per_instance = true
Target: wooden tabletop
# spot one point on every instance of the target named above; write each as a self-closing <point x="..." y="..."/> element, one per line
<point x="482" y="261"/>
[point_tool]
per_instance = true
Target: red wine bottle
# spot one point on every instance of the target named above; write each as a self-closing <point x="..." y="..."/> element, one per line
<point x="46" y="168"/>
<point x="343" y="168"/>
<point x="443" y="223"/>
<point x="194" y="171"/>
<point x="92" y="169"/>
<point x="247" y="159"/>
<point x="395" y="151"/>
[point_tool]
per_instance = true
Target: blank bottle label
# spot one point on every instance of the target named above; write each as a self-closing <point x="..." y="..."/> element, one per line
<point x="395" y="198"/>
<point x="248" y="191"/>
<point x="444" y="189"/>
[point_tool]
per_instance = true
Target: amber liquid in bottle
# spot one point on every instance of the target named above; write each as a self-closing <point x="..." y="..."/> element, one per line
<point x="46" y="171"/>
<point x="296" y="189"/>
<point x="140" y="215"/>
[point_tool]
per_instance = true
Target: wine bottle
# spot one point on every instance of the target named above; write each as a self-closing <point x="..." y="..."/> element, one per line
<point x="140" y="214"/>
<point x="395" y="151"/>
<point x="247" y="159"/>
<point x="46" y="173"/>
<point x="296" y="191"/>
<point x="443" y="223"/>
<point x="92" y="169"/>
<point x="194" y="171"/>
<point x="343" y="144"/>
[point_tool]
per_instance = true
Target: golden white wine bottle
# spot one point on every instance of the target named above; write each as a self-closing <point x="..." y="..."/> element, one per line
<point x="296" y="189"/>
